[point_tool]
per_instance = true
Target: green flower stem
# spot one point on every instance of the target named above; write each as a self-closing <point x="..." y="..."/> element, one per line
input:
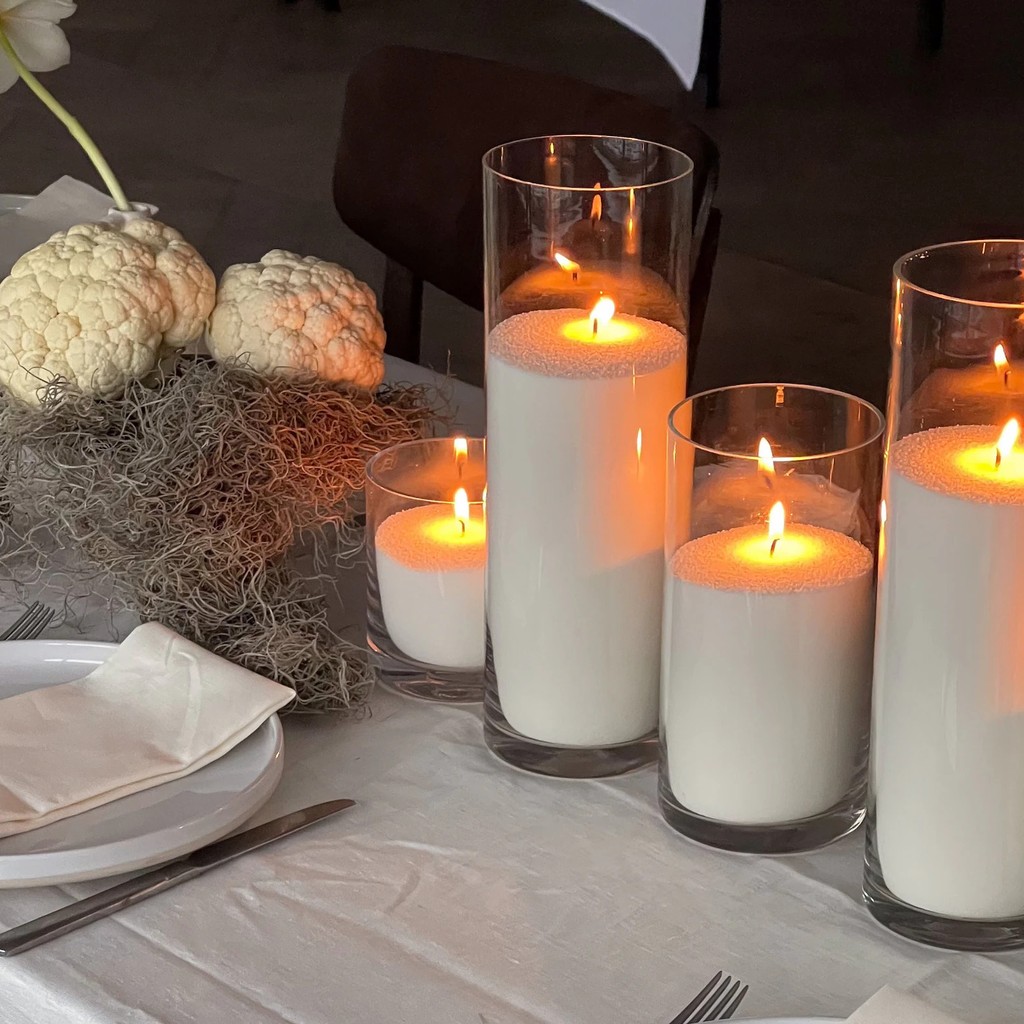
<point x="78" y="133"/>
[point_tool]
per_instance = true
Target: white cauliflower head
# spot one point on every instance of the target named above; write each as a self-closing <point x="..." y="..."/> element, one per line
<point x="298" y="315"/>
<point x="94" y="304"/>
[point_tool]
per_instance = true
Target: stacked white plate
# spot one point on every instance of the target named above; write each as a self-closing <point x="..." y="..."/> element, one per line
<point x="146" y="828"/>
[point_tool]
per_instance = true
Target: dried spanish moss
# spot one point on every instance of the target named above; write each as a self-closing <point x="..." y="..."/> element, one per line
<point x="183" y="500"/>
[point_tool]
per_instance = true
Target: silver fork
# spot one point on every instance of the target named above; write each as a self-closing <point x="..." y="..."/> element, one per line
<point x="30" y="624"/>
<point x="719" y="999"/>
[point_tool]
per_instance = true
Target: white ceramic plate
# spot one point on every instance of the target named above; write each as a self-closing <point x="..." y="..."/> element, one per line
<point x="145" y="828"/>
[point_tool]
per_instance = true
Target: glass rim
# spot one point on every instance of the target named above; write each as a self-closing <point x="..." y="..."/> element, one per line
<point x="685" y="173"/>
<point x="752" y="456"/>
<point x="900" y="274"/>
<point x="371" y="478"/>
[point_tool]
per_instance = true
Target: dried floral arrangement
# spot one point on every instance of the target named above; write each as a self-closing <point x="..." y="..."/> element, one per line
<point x="183" y="497"/>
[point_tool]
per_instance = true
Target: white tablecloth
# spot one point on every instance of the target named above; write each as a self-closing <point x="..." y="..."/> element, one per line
<point x="462" y="892"/>
<point x="673" y="26"/>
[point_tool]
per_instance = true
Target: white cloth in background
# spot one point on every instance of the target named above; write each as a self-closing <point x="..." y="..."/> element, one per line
<point x="59" y="206"/>
<point x="891" y="1007"/>
<point x="673" y="26"/>
<point x="158" y="709"/>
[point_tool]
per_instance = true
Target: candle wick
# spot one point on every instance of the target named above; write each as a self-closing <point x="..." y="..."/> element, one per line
<point x="462" y="523"/>
<point x="594" y="325"/>
<point x="1006" y="378"/>
<point x="768" y="481"/>
<point x="575" y="276"/>
<point x="999" y="457"/>
<point x="771" y="550"/>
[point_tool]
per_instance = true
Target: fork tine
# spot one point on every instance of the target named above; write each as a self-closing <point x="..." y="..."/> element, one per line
<point x="14" y="632"/>
<point x="703" y="1014"/>
<point x="724" y="1001"/>
<point x="39" y="622"/>
<point x="683" y="1017"/>
<point x="8" y="633"/>
<point x="43" y="622"/>
<point x="735" y="1004"/>
<point x="24" y="629"/>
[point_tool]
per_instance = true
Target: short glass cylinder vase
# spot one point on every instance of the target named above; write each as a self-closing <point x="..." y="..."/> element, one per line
<point x="772" y="513"/>
<point x="426" y="547"/>
<point x="586" y="242"/>
<point x="945" y="830"/>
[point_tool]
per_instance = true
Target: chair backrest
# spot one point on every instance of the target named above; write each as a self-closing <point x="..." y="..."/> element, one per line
<point x="408" y="177"/>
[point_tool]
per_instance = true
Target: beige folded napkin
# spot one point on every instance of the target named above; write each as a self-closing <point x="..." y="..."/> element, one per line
<point x="158" y="709"/>
<point x="891" y="1007"/>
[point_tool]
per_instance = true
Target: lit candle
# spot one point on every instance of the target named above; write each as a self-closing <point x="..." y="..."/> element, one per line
<point x="594" y="236"/>
<point x="569" y="280"/>
<point x="948" y="732"/>
<point x="576" y="409"/>
<point x="430" y="571"/>
<point x="460" y="446"/>
<point x="977" y="393"/>
<point x="767" y="669"/>
<point x="631" y="246"/>
<point x="571" y="267"/>
<point x="731" y="494"/>
<point x="552" y="165"/>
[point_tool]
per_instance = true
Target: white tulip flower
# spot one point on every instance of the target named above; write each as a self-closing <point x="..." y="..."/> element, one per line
<point x="31" y="40"/>
<point x="31" y="28"/>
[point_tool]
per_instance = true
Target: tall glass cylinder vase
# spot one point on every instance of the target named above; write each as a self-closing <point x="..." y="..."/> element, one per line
<point x="769" y="615"/>
<point x="586" y="279"/>
<point x="945" y="842"/>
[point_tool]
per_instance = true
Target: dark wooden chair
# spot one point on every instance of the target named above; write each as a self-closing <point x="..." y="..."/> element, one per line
<point x="408" y="177"/>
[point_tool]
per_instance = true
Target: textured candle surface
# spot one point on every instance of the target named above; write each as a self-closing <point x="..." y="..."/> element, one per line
<point x="767" y="672"/>
<point x="429" y="537"/>
<point x="805" y="558"/>
<point x="431" y="580"/>
<point x="562" y="343"/>
<point x="947" y="749"/>
<point x="960" y="462"/>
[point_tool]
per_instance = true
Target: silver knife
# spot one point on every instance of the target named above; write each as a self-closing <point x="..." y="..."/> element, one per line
<point x="92" y="908"/>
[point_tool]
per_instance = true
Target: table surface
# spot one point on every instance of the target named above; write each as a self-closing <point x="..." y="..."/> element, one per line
<point x="460" y="891"/>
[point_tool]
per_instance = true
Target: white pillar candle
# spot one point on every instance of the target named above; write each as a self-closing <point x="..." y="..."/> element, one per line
<point x="576" y="484"/>
<point x="948" y="735"/>
<point x="430" y="571"/>
<point x="768" y="672"/>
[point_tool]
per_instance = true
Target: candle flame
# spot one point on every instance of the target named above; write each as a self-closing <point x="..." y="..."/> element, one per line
<point x="603" y="311"/>
<point x="568" y="265"/>
<point x="1002" y="364"/>
<point x="776" y="525"/>
<point x="462" y="508"/>
<point x="551" y="148"/>
<point x="639" y="443"/>
<point x="765" y="460"/>
<point x="461" y="448"/>
<point x="1007" y="439"/>
<point x="595" y="206"/>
